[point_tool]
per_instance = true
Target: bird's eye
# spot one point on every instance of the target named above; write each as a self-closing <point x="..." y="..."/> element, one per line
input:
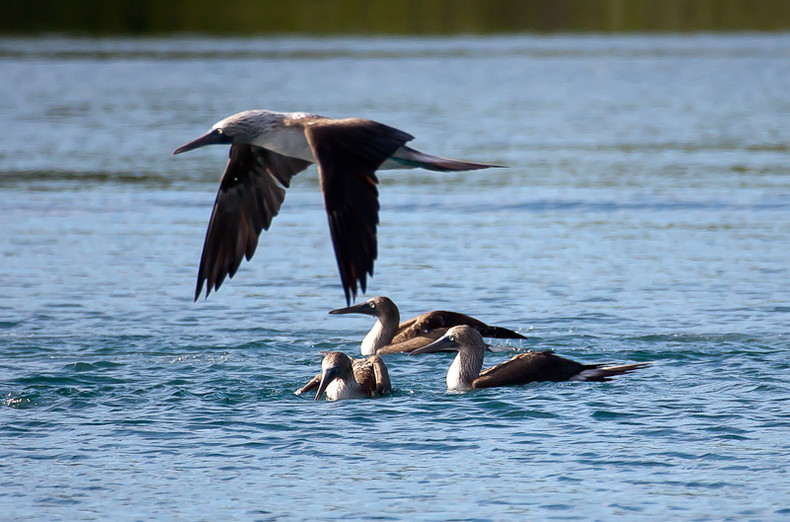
<point x="219" y="131"/>
<point x="451" y="338"/>
<point x="372" y="305"/>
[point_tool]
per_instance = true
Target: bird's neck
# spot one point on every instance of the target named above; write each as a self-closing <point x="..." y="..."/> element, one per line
<point x="464" y="370"/>
<point x="380" y="335"/>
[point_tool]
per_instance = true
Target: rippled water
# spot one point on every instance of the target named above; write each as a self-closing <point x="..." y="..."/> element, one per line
<point x="645" y="217"/>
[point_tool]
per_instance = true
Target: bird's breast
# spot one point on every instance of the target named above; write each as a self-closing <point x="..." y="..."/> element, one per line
<point x="340" y="389"/>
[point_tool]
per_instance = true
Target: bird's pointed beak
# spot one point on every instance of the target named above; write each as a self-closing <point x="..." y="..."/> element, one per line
<point x="212" y="137"/>
<point x="327" y="376"/>
<point x="361" y="308"/>
<point x="445" y="343"/>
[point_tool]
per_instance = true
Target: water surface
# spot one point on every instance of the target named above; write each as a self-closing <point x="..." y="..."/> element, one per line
<point x="645" y="216"/>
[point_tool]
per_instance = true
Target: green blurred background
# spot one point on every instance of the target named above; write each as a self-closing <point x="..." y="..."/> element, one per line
<point x="240" y="17"/>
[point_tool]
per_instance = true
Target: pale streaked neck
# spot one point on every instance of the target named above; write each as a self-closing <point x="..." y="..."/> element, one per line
<point x="383" y="331"/>
<point x="380" y="334"/>
<point x="465" y="369"/>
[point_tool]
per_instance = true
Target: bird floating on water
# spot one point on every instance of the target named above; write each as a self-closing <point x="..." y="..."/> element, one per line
<point x="389" y="335"/>
<point x="342" y="377"/>
<point x="465" y="374"/>
<point x="269" y="148"/>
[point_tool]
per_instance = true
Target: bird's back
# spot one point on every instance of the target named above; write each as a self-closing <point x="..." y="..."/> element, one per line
<point x="530" y="367"/>
<point x="436" y="319"/>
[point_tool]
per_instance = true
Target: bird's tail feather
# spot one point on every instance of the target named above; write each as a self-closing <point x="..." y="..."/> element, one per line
<point x="605" y="373"/>
<point x="409" y="157"/>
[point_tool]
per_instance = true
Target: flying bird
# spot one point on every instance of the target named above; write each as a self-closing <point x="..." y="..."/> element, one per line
<point x="269" y="148"/>
<point x="389" y="335"/>
<point x="465" y="374"/>
<point x="342" y="377"/>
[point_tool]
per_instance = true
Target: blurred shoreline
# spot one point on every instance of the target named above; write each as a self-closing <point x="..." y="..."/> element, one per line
<point x="386" y="17"/>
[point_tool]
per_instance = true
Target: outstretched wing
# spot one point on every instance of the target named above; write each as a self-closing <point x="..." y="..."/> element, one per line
<point x="348" y="153"/>
<point x="250" y="194"/>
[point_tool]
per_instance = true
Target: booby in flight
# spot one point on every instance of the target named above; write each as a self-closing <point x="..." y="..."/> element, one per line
<point x="389" y="335"/>
<point x="269" y="148"/>
<point x="465" y="374"/>
<point x="342" y="377"/>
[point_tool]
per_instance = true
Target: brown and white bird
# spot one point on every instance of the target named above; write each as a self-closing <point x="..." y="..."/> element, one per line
<point x="389" y="335"/>
<point x="464" y="373"/>
<point x="342" y="377"/>
<point x="269" y="148"/>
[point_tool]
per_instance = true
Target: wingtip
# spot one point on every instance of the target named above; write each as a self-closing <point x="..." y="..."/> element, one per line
<point x="199" y="289"/>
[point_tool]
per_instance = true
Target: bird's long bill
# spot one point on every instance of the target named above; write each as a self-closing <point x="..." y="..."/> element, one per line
<point x="212" y="137"/>
<point x="361" y="308"/>
<point x="445" y="343"/>
<point x="326" y="377"/>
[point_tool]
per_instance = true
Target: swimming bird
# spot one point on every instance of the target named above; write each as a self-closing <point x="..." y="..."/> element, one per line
<point x="342" y="377"/>
<point x="269" y="148"/>
<point x="465" y="374"/>
<point x="389" y="335"/>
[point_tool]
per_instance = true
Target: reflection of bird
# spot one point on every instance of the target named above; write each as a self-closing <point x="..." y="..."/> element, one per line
<point x="268" y="149"/>
<point x="342" y="377"/>
<point x="388" y="335"/>
<point x="465" y="374"/>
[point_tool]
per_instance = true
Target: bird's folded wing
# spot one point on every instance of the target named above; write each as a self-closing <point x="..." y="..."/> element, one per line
<point x="383" y="384"/>
<point x="250" y="194"/>
<point x="528" y="367"/>
<point x="348" y="153"/>
<point x="431" y="321"/>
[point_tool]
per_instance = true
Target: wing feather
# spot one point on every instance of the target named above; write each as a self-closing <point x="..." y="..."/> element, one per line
<point x="441" y="319"/>
<point x="348" y="153"/>
<point x="529" y="367"/>
<point x="250" y="194"/>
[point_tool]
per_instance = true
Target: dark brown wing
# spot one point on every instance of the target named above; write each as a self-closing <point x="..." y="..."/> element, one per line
<point x="348" y="153"/>
<point x="442" y="319"/>
<point x="250" y="194"/>
<point x="365" y="375"/>
<point x="432" y="320"/>
<point x="311" y="385"/>
<point x="383" y="384"/>
<point x="530" y="367"/>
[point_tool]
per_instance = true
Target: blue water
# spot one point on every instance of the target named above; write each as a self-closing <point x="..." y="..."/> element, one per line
<point x="645" y="216"/>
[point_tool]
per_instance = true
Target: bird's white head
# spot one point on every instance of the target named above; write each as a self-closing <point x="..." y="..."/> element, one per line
<point x="242" y="127"/>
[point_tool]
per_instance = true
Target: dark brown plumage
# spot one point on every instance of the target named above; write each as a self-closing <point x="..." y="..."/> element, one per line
<point x="250" y="194"/>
